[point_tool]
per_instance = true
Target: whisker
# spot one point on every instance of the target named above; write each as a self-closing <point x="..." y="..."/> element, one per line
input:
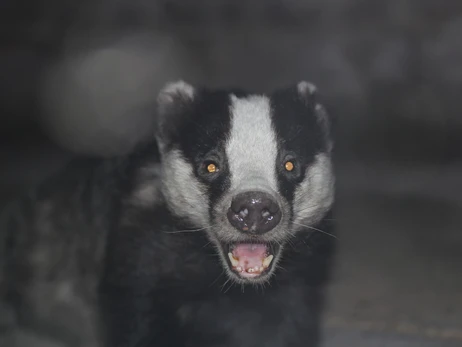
<point x="279" y="243"/>
<point x="313" y="228"/>
<point x="216" y="279"/>
<point x="289" y="241"/>
<point x="229" y="287"/>
<point x="224" y="284"/>
<point x="306" y="208"/>
<point x="186" y="230"/>
<point x="323" y="219"/>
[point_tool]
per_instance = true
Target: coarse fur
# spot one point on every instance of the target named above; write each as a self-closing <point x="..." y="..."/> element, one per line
<point x="139" y="249"/>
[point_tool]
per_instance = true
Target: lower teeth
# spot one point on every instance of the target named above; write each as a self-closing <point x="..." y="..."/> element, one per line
<point x="255" y="269"/>
<point x="265" y="264"/>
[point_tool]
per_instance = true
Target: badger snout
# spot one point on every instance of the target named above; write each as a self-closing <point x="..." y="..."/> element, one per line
<point x="254" y="212"/>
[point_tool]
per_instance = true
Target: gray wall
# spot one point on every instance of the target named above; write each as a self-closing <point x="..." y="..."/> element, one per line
<point x="390" y="71"/>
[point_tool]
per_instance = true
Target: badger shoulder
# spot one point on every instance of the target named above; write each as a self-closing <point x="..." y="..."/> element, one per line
<point x="54" y="238"/>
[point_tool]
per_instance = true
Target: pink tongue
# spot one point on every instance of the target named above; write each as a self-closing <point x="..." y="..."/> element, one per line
<point x="250" y="254"/>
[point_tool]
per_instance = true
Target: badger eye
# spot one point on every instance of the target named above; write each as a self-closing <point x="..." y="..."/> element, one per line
<point x="211" y="167"/>
<point x="289" y="165"/>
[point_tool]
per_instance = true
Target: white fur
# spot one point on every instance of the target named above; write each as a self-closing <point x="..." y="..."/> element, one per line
<point x="252" y="147"/>
<point x="168" y="98"/>
<point x="172" y="89"/>
<point x="305" y="88"/>
<point x="315" y="195"/>
<point x="186" y="196"/>
<point x="324" y="121"/>
<point x="169" y="95"/>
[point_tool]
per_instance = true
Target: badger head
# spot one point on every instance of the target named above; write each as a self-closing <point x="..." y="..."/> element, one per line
<point x="250" y="170"/>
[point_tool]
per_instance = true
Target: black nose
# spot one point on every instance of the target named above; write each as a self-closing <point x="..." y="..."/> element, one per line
<point x="254" y="212"/>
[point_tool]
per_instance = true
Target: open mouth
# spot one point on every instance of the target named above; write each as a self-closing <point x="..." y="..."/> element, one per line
<point x="251" y="260"/>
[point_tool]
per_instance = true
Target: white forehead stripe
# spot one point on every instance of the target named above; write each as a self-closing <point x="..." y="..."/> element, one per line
<point x="252" y="146"/>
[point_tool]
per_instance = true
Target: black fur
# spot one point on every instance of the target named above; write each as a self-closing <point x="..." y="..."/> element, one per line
<point x="163" y="288"/>
<point x="146" y="276"/>
<point x="300" y="133"/>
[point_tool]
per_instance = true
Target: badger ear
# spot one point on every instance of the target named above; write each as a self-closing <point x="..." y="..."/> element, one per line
<point x="308" y="92"/>
<point x="173" y="102"/>
<point x="173" y="96"/>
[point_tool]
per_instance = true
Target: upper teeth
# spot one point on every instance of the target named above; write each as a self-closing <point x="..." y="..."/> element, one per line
<point x="267" y="260"/>
<point x="233" y="260"/>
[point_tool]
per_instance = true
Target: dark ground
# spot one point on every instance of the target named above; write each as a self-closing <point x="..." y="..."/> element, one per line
<point x="391" y="71"/>
<point x="397" y="281"/>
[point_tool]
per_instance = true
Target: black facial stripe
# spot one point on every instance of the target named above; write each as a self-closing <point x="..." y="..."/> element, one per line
<point x="205" y="125"/>
<point x="217" y="186"/>
<point x="203" y="135"/>
<point x="299" y="135"/>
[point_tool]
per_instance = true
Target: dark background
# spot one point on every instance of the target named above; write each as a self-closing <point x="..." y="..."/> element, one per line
<point x="81" y="77"/>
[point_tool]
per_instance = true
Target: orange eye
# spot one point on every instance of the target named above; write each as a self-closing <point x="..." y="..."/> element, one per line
<point x="212" y="168"/>
<point x="289" y="166"/>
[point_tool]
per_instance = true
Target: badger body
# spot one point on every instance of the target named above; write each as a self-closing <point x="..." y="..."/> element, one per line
<point x="217" y="233"/>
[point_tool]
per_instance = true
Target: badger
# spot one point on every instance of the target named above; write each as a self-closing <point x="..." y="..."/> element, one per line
<point x="217" y="232"/>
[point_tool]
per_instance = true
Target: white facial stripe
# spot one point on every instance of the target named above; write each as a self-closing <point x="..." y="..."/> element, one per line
<point x="185" y="195"/>
<point x="315" y="195"/>
<point x="252" y="147"/>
